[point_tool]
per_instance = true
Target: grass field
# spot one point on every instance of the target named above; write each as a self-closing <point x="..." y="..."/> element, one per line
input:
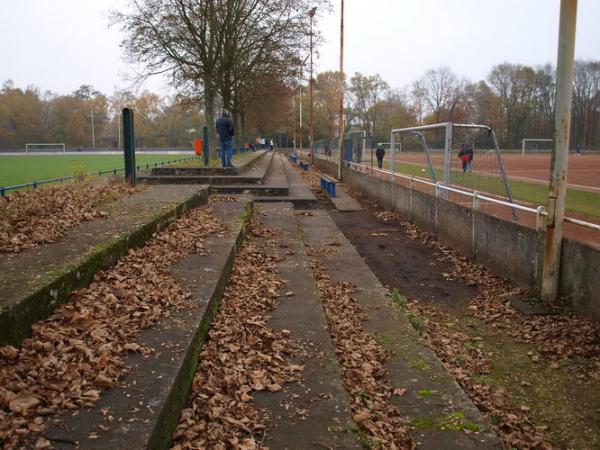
<point x="25" y="169"/>
<point x="582" y="202"/>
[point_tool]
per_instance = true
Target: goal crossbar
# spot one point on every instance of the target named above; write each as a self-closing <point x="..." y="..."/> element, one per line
<point x="532" y="140"/>
<point x="45" y="145"/>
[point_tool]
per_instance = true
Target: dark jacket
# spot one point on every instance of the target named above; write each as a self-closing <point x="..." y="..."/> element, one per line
<point x="380" y="152"/>
<point x="466" y="151"/>
<point x="225" y="128"/>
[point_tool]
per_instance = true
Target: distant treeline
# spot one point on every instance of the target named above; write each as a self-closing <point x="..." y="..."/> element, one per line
<point x="32" y="116"/>
<point x="516" y="100"/>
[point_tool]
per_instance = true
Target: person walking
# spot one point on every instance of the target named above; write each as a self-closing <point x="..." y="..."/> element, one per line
<point x="380" y="153"/>
<point x="226" y="132"/>
<point x="578" y="150"/>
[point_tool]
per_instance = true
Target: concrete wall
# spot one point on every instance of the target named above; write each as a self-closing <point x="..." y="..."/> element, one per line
<point x="509" y="249"/>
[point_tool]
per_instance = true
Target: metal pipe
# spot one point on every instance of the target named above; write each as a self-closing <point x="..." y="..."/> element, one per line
<point x="312" y="114"/>
<point x="560" y="149"/>
<point x="341" y="87"/>
<point x="447" y="153"/>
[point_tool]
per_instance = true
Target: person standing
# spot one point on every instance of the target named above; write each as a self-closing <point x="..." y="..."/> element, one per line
<point x="466" y="157"/>
<point x="578" y="150"/>
<point x="380" y="153"/>
<point x="226" y="132"/>
<point x="271" y="144"/>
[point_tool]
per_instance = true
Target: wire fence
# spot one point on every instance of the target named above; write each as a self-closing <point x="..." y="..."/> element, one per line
<point x="5" y="190"/>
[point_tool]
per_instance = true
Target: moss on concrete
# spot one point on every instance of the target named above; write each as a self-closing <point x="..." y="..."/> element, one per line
<point x="56" y="285"/>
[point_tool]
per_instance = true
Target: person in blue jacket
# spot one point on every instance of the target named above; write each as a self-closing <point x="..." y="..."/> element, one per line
<point x="226" y="132"/>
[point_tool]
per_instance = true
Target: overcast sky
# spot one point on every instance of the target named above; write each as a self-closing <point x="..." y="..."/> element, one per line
<point x="58" y="45"/>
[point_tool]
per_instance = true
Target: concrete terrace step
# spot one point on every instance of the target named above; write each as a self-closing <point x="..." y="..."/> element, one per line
<point x="387" y="321"/>
<point x="33" y="283"/>
<point x="299" y="193"/>
<point x="147" y="408"/>
<point x="251" y="170"/>
<point x="327" y="418"/>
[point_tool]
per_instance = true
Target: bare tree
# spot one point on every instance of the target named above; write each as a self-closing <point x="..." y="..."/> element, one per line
<point x="215" y="48"/>
<point x="441" y="91"/>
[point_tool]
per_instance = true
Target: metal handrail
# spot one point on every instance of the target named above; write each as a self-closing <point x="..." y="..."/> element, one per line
<point x="4" y="190"/>
<point x="539" y="211"/>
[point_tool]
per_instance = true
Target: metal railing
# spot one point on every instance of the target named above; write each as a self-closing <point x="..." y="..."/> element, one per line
<point x="540" y="211"/>
<point x="4" y="190"/>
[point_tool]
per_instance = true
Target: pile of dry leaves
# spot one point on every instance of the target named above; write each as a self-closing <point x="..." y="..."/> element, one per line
<point x="32" y="217"/>
<point x="243" y="355"/>
<point x="82" y="347"/>
<point x="363" y="362"/>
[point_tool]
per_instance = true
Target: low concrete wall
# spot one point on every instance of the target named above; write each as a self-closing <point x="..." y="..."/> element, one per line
<point x="509" y="249"/>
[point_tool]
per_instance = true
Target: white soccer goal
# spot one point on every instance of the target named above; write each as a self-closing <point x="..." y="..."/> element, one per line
<point x="546" y="148"/>
<point x="60" y="147"/>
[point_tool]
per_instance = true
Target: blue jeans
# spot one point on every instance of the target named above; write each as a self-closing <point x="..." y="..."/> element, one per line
<point x="226" y="153"/>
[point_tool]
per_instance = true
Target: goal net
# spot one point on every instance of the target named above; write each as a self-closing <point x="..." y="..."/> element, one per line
<point x="532" y="146"/>
<point x="45" y="148"/>
<point x="473" y="162"/>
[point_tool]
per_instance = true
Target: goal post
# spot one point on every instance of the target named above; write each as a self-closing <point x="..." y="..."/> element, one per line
<point x="42" y="146"/>
<point x="525" y="141"/>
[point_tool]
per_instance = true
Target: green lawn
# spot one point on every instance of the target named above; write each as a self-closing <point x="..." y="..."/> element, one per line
<point x="582" y="202"/>
<point x="25" y="169"/>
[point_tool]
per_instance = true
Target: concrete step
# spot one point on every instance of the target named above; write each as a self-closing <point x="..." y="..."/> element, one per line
<point x="33" y="283"/>
<point x="407" y="347"/>
<point x="321" y="393"/>
<point x="147" y="408"/>
<point x="252" y="170"/>
<point x="299" y="193"/>
<point x="261" y="190"/>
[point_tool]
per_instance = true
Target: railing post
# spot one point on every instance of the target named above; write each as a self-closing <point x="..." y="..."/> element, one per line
<point x="2" y="192"/>
<point x="540" y="218"/>
<point x="475" y="208"/>
<point x="129" y="145"/>
<point x="475" y="201"/>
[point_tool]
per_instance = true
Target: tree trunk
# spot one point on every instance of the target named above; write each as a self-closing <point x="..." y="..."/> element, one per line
<point x="209" y="113"/>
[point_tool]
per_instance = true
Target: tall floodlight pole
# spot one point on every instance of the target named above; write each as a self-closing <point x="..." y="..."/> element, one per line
<point x="560" y="149"/>
<point x="312" y="115"/>
<point x="300" y="131"/>
<point x="341" y="88"/>
<point x="93" y="134"/>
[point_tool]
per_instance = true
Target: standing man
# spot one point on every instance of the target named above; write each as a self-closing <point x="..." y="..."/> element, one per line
<point x="380" y="153"/>
<point x="226" y="131"/>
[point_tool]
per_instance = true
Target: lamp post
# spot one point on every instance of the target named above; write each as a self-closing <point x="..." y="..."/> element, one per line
<point x="312" y="116"/>
<point x="341" y="87"/>
<point x="93" y="134"/>
<point x="560" y="149"/>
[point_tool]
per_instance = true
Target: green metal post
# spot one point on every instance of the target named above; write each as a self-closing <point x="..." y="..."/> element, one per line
<point x="129" y="145"/>
<point x="205" y="152"/>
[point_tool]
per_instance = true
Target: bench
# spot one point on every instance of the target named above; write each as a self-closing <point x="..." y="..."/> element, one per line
<point x="328" y="184"/>
<point x="304" y="165"/>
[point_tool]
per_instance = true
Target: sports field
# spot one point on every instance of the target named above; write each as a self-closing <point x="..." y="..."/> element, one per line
<point x="528" y="179"/>
<point x="25" y="169"/>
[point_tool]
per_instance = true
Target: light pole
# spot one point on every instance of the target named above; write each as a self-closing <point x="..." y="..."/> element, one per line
<point x="93" y="135"/>
<point x="312" y="115"/>
<point x="560" y="148"/>
<point x="341" y="87"/>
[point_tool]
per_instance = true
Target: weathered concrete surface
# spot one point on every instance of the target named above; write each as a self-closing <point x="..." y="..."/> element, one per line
<point x="299" y="194"/>
<point x="147" y="408"/>
<point x="33" y="283"/>
<point x="321" y="393"/>
<point x="343" y="202"/>
<point x="395" y="332"/>
<point x="250" y="170"/>
<point x="510" y="250"/>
